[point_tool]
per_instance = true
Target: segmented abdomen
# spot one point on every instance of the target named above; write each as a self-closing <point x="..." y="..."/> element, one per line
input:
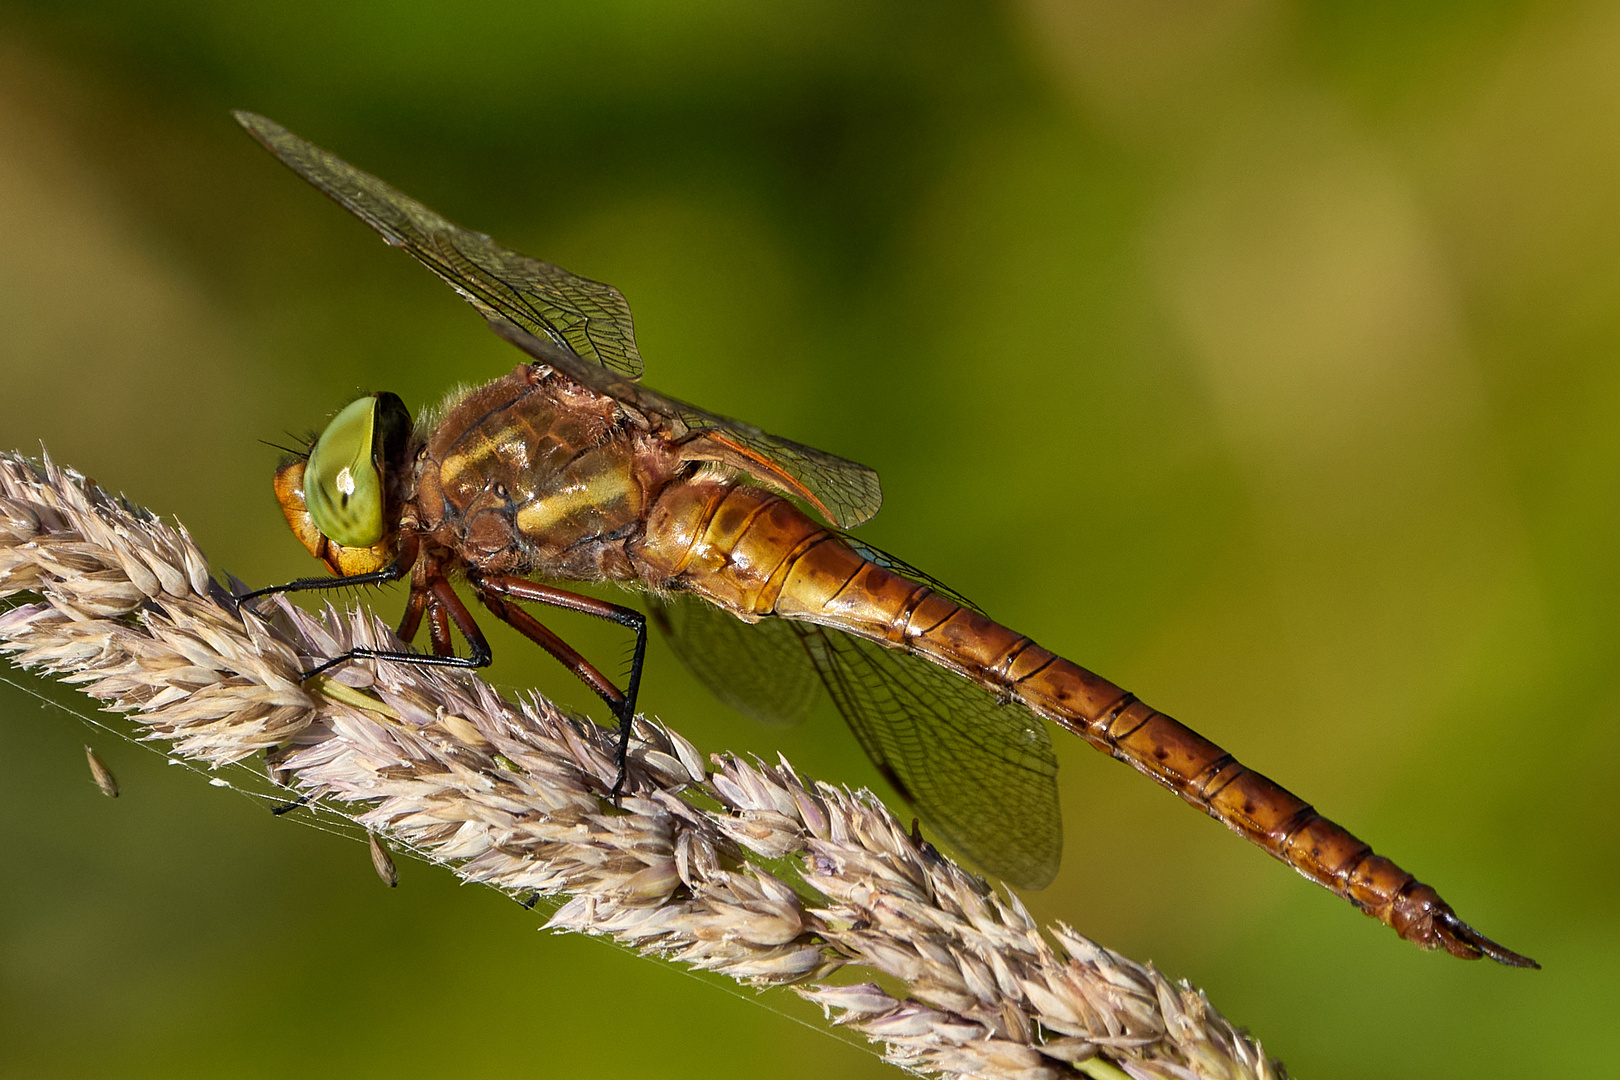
<point x="756" y="555"/>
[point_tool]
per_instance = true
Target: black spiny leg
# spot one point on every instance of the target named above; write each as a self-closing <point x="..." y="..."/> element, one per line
<point x="442" y="600"/>
<point x="493" y="589"/>
<point x="443" y="607"/>
<point x="436" y="600"/>
<point x="391" y="572"/>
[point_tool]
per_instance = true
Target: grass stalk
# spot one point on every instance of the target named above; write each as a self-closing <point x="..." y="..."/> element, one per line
<point x="727" y="865"/>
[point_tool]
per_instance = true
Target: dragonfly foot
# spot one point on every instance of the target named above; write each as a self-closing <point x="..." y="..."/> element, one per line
<point x="289" y="807"/>
<point x="621" y="758"/>
<point x="322" y="669"/>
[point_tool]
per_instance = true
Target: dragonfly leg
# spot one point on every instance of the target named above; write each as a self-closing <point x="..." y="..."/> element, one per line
<point x="566" y="654"/>
<point x="391" y="572"/>
<point x="412" y="619"/>
<point x="439" y="630"/>
<point x="436" y="596"/>
<point x="289" y="807"/>
<point x="442" y="603"/>
<point x="422" y="602"/>
<point x="493" y="588"/>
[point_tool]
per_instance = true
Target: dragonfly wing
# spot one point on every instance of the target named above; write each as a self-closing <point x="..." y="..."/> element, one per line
<point x="841" y="491"/>
<point x="982" y="773"/>
<point x="895" y="564"/>
<point x="588" y="317"/>
<point x="760" y="669"/>
<point x="845" y="492"/>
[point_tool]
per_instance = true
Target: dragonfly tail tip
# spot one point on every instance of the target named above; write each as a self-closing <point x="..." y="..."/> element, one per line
<point x="1463" y="940"/>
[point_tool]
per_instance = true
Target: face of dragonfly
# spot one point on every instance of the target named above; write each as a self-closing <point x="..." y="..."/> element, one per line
<point x="337" y="500"/>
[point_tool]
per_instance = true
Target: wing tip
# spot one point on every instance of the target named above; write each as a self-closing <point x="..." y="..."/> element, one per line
<point x="869" y="506"/>
<point x="1030" y="872"/>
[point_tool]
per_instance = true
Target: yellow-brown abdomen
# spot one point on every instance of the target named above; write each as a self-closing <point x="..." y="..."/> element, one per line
<point x="755" y="555"/>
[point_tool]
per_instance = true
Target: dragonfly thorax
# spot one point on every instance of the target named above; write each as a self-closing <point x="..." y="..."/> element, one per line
<point x="533" y="474"/>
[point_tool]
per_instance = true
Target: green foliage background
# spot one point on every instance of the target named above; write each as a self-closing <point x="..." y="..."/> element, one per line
<point x="1259" y="355"/>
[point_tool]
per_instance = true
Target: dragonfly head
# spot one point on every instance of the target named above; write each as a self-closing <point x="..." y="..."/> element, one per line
<point x="339" y="500"/>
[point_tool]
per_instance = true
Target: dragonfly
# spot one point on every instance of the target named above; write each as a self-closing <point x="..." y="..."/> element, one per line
<point x="568" y="469"/>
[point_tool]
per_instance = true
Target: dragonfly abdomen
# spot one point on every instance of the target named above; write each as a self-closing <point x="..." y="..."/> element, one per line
<point x="1201" y="772"/>
<point x="755" y="554"/>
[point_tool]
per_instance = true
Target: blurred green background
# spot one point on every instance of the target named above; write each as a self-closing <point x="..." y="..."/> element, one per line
<point x="1259" y="355"/>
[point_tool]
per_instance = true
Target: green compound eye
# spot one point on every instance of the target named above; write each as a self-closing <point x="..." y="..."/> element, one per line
<point x="342" y="488"/>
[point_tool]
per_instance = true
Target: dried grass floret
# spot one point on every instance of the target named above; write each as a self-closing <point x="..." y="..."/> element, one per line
<point x="689" y="865"/>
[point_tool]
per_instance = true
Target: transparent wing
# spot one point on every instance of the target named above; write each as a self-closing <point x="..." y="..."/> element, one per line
<point x="759" y="669"/>
<point x="899" y="566"/>
<point x="845" y="492"/>
<point x="983" y="774"/>
<point x="588" y="317"/>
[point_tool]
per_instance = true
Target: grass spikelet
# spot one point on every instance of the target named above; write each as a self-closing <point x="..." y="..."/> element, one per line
<point x="515" y="796"/>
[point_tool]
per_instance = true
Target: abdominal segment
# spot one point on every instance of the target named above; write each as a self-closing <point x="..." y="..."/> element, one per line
<point x="754" y="554"/>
